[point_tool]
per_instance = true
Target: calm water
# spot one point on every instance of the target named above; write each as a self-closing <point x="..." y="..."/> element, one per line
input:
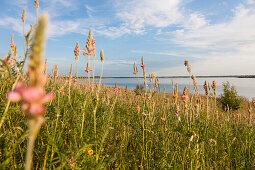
<point x="244" y="86"/>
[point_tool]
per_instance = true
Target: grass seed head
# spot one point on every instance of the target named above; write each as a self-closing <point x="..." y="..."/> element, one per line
<point x="23" y="15"/>
<point x="102" y="55"/>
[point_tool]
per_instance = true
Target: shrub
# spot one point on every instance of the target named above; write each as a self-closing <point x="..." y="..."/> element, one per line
<point x="230" y="99"/>
<point x="139" y="89"/>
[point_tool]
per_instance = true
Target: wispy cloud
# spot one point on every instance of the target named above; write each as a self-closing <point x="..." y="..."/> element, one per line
<point x="136" y="15"/>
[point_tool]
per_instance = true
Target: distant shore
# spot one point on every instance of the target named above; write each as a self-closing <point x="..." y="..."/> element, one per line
<point x="229" y="76"/>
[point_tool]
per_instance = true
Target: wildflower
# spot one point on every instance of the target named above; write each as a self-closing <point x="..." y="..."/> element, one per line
<point x="138" y="109"/>
<point x="90" y="152"/>
<point x="12" y="44"/>
<point x="206" y="88"/>
<point x="102" y="150"/>
<point x="33" y="98"/>
<point x="116" y="87"/>
<point x="88" y="69"/>
<point x="143" y="66"/>
<point x="163" y="119"/>
<point x="77" y="51"/>
<point x="8" y="61"/>
<point x="184" y="96"/>
<point x="175" y="96"/>
<point x="14" y="96"/>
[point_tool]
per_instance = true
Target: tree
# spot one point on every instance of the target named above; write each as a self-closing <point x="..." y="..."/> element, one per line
<point x="230" y="99"/>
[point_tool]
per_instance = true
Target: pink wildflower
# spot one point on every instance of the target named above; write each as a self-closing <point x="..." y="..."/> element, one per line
<point x="12" y="45"/>
<point x="116" y="87"/>
<point x="92" y="49"/>
<point x="175" y="96"/>
<point x="137" y="108"/>
<point x="184" y="96"/>
<point x="8" y="61"/>
<point x="33" y="98"/>
<point x="88" y="70"/>
<point x="14" y="96"/>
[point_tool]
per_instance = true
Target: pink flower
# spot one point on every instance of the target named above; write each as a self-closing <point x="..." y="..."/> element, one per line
<point x="74" y="80"/>
<point x="33" y="98"/>
<point x="175" y="96"/>
<point x="163" y="119"/>
<point x="31" y="94"/>
<point x="143" y="66"/>
<point x="184" y="96"/>
<point x="7" y="61"/>
<point x="92" y="49"/>
<point x="135" y="72"/>
<point x="14" y="96"/>
<point x="91" y="86"/>
<point x="12" y="45"/>
<point x="116" y="87"/>
<point x="88" y="70"/>
<point x="137" y="108"/>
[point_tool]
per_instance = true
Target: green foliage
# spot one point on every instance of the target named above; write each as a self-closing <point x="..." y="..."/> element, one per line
<point x="139" y="89"/>
<point x="230" y="99"/>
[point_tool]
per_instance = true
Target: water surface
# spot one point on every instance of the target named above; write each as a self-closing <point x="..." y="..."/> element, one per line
<point x="244" y="86"/>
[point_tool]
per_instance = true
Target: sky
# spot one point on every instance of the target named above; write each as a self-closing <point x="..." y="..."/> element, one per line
<point x="216" y="36"/>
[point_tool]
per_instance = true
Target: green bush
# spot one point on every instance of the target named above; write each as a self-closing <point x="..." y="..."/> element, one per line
<point x="230" y="99"/>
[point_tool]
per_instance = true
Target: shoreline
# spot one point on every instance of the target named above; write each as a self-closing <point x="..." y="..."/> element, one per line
<point x="227" y="76"/>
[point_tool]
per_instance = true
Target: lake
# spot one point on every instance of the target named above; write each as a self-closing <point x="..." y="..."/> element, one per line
<point x="244" y="86"/>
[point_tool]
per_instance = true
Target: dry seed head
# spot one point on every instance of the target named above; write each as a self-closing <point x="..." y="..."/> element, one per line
<point x="89" y="40"/>
<point x="206" y="88"/>
<point x="15" y="51"/>
<point x="195" y="84"/>
<point x="37" y="51"/>
<point x="56" y="70"/>
<point x="153" y="75"/>
<point x="102" y="55"/>
<point x="12" y="39"/>
<point x="186" y="63"/>
<point x="76" y="51"/>
<point x="23" y="15"/>
<point x="36" y="4"/>
<point x="45" y="66"/>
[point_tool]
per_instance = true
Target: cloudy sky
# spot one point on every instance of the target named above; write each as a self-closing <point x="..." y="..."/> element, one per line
<point x="216" y="36"/>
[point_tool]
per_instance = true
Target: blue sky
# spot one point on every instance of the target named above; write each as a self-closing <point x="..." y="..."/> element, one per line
<point x="218" y="37"/>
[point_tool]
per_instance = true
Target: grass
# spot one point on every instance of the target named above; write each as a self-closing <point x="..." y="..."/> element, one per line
<point x="153" y="137"/>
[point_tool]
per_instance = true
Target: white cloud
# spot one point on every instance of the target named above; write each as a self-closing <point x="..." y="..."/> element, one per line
<point x="195" y="21"/>
<point x="232" y="35"/>
<point x="137" y="14"/>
